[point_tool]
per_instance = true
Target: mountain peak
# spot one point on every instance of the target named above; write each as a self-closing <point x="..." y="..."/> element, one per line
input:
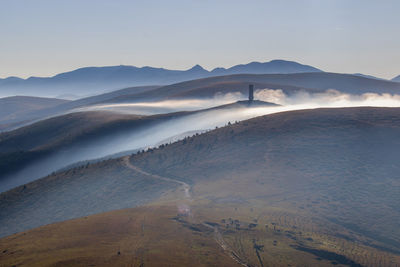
<point x="197" y="67"/>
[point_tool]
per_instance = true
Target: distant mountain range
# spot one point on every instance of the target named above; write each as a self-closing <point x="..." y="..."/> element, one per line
<point x="94" y="80"/>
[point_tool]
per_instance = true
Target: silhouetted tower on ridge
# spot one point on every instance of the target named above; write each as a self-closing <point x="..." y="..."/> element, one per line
<point x="251" y="92"/>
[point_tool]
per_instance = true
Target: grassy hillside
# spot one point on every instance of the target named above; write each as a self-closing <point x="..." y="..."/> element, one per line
<point x="85" y="190"/>
<point x="49" y="132"/>
<point x="312" y="187"/>
<point x="31" y="143"/>
<point x="137" y="237"/>
<point x="155" y="236"/>
<point x="340" y="164"/>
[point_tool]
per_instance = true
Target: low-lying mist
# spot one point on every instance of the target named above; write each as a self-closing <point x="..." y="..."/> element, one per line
<point x="133" y="139"/>
<point x="167" y="106"/>
<point x="300" y="100"/>
<point x="173" y="129"/>
<point x="330" y="98"/>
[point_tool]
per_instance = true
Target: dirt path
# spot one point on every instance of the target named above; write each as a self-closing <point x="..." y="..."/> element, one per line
<point x="220" y="240"/>
<point x="185" y="186"/>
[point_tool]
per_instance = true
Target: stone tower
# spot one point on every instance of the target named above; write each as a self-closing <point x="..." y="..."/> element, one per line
<point x="251" y="92"/>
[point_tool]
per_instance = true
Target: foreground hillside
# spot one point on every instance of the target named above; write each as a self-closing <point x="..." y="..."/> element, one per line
<point x="156" y="236"/>
<point x="305" y="188"/>
<point x="340" y="164"/>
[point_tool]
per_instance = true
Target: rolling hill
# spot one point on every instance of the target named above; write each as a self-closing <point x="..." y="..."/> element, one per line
<point x="18" y="108"/>
<point x="206" y="88"/>
<point x="21" y="110"/>
<point x="289" y="83"/>
<point x="318" y="186"/>
<point x="396" y="79"/>
<point x="61" y="137"/>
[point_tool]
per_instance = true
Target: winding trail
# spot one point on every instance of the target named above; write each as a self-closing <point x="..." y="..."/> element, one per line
<point x="185" y="186"/>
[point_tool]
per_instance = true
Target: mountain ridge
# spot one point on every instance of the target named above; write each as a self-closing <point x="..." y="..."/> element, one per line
<point x="94" y="80"/>
<point x="195" y="67"/>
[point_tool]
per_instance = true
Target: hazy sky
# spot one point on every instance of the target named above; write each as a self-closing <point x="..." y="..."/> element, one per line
<point x="42" y="38"/>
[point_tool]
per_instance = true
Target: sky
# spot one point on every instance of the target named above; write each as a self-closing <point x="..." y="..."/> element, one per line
<point x="43" y="38"/>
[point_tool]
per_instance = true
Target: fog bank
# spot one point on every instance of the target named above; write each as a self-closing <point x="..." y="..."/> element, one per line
<point x="178" y="128"/>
